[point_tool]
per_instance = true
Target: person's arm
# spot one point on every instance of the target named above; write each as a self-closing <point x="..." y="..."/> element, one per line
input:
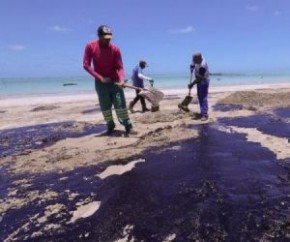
<point x="87" y="60"/>
<point x="143" y="77"/>
<point x="198" y="77"/>
<point x="119" y="66"/>
<point x="191" y="67"/>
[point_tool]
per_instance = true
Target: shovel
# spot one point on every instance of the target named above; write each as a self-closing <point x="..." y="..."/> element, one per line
<point x="187" y="100"/>
<point x="151" y="94"/>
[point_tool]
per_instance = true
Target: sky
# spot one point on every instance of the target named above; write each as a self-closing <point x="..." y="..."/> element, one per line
<point x="42" y="38"/>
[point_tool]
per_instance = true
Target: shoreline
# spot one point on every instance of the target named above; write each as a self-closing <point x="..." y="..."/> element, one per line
<point x="50" y="98"/>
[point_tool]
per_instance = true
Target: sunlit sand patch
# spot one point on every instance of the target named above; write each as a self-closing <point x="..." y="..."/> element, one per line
<point x="222" y="128"/>
<point x="119" y="169"/>
<point x="85" y="211"/>
<point x="163" y="116"/>
<point x="175" y="147"/>
<point x="256" y="99"/>
<point x="17" y="203"/>
<point x="71" y="195"/>
<point x="13" y="236"/>
<point x="279" y="146"/>
<point x="75" y="152"/>
<point x="56" y="209"/>
<point x="126" y="234"/>
<point x="170" y="237"/>
<point x="40" y="222"/>
<point x="13" y="202"/>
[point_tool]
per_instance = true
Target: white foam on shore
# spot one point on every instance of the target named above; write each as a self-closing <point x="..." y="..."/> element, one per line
<point x="63" y="98"/>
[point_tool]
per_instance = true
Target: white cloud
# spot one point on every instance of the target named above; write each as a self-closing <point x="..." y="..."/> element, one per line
<point x="252" y="7"/>
<point x="16" y="47"/>
<point x="59" y="29"/>
<point x="186" y="30"/>
<point x="277" y="13"/>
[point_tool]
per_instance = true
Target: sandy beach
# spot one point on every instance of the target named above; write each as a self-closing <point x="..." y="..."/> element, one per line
<point x="60" y="176"/>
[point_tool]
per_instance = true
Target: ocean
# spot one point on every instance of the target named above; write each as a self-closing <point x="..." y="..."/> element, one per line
<point x="85" y="84"/>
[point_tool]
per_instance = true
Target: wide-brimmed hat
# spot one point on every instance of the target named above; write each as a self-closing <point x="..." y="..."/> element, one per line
<point x="105" y="31"/>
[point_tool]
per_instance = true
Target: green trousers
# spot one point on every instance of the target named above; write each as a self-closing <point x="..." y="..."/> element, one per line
<point x="112" y="95"/>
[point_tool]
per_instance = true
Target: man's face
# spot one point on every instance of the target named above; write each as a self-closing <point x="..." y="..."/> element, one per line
<point x="104" y="40"/>
<point x="197" y="59"/>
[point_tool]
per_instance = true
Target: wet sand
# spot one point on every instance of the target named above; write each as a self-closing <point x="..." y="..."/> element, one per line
<point x="179" y="179"/>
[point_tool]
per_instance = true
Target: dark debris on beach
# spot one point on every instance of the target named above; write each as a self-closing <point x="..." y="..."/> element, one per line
<point x="25" y="139"/>
<point x="268" y="124"/>
<point x="216" y="187"/>
<point x="44" y="108"/>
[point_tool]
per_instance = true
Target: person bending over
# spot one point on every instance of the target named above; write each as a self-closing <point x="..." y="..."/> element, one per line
<point x="138" y="81"/>
<point x="201" y="73"/>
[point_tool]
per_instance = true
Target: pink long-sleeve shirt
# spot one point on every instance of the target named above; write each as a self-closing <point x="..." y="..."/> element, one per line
<point x="107" y="61"/>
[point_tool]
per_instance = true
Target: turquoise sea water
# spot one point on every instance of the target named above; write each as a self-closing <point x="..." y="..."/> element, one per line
<point x="85" y="84"/>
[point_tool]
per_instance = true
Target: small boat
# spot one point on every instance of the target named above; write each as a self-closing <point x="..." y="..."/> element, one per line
<point x="69" y="84"/>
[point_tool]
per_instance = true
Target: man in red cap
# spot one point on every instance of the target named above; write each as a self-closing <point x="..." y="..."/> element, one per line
<point x="109" y="75"/>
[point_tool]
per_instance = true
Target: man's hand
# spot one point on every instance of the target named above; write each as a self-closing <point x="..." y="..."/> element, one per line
<point x="190" y="85"/>
<point x="193" y="83"/>
<point x="121" y="83"/>
<point x="105" y="79"/>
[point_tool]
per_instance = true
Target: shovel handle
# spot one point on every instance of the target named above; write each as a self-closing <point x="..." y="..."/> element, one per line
<point x="189" y="92"/>
<point x="190" y="81"/>
<point x="133" y="87"/>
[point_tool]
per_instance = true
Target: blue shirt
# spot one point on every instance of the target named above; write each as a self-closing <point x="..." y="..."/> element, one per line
<point x="137" y="82"/>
